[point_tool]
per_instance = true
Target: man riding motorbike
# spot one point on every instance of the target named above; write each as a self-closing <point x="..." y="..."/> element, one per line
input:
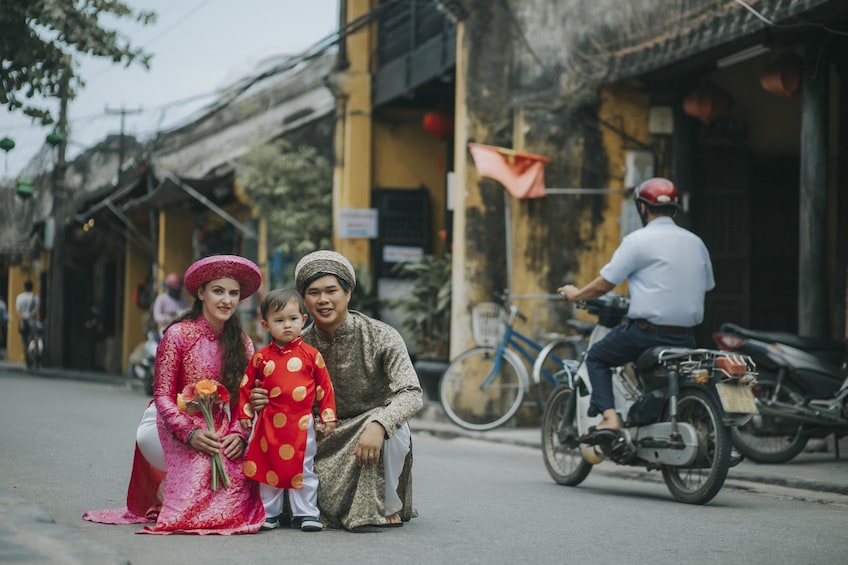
<point x="668" y="269"/>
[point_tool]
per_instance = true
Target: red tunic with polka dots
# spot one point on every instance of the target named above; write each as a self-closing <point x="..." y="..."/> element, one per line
<point x="296" y="379"/>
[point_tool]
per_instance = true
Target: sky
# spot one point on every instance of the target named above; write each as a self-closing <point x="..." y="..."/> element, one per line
<point x="198" y="47"/>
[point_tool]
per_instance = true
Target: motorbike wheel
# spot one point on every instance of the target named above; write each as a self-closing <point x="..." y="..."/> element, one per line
<point x="766" y="439"/>
<point x="565" y="464"/>
<point x="703" y="478"/>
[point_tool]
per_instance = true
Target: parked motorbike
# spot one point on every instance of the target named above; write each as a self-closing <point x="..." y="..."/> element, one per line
<point x="143" y="359"/>
<point x="828" y="350"/>
<point x="799" y="397"/>
<point x="676" y="405"/>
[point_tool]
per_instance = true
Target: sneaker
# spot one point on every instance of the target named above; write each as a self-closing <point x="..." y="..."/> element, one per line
<point x="271" y="523"/>
<point x="311" y="524"/>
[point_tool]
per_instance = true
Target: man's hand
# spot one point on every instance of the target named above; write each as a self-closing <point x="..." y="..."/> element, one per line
<point x="258" y="399"/>
<point x="568" y="291"/>
<point x="370" y="443"/>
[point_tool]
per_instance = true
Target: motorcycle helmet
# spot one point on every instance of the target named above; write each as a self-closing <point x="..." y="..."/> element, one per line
<point x="656" y="193"/>
<point x="174" y="282"/>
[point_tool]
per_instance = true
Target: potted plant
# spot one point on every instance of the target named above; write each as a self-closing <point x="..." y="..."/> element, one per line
<point x="425" y="312"/>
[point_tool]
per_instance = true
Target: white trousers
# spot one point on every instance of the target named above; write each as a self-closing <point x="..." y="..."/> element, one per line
<point x="394" y="455"/>
<point x="303" y="501"/>
<point x="147" y="437"/>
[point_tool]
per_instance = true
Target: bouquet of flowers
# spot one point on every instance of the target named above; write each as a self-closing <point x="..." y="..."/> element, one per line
<point x="202" y="396"/>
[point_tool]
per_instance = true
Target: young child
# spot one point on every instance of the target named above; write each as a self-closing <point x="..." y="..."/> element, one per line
<point x="283" y="445"/>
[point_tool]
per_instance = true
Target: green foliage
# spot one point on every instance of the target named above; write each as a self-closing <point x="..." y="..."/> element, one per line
<point x="293" y="188"/>
<point x="39" y="37"/>
<point x="426" y="310"/>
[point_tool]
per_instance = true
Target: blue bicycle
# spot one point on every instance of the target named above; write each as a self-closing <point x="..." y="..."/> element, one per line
<point x="485" y="386"/>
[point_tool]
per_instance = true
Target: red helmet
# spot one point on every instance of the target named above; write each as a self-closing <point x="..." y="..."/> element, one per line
<point x="657" y="192"/>
<point x="174" y="281"/>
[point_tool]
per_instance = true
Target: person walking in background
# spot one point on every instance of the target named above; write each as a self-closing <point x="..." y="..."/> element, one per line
<point x="203" y="354"/>
<point x="283" y="445"/>
<point x="26" y="310"/>
<point x="366" y="465"/>
<point x="170" y="303"/>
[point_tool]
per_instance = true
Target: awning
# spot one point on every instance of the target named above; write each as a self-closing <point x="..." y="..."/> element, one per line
<point x="725" y="29"/>
<point x="211" y="192"/>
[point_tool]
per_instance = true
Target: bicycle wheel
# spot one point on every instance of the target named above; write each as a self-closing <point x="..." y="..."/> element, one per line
<point x="700" y="482"/>
<point x="563" y="458"/>
<point x="547" y="364"/>
<point x="769" y="439"/>
<point x="470" y="404"/>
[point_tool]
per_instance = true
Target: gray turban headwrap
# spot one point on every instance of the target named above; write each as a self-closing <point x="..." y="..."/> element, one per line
<point x="323" y="261"/>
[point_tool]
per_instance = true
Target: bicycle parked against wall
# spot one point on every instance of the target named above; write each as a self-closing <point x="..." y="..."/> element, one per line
<point x="485" y="386"/>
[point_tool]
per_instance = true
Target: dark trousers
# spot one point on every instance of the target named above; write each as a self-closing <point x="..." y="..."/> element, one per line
<point x="623" y="345"/>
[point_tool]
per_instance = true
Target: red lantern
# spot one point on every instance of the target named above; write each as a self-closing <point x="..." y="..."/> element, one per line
<point x="783" y="76"/>
<point x="438" y="123"/>
<point x="708" y="103"/>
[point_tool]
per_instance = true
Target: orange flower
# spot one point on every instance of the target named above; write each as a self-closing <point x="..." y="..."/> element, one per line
<point x="206" y="388"/>
<point x="201" y="396"/>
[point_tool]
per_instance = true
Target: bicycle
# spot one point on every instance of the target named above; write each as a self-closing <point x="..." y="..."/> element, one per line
<point x="485" y="386"/>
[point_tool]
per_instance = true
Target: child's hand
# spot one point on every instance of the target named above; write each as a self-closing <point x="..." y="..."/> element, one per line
<point x="245" y="423"/>
<point x="329" y="428"/>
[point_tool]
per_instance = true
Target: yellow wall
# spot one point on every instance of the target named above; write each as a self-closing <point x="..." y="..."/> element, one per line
<point x="405" y="156"/>
<point x="135" y="319"/>
<point x="176" y="229"/>
<point x="353" y="176"/>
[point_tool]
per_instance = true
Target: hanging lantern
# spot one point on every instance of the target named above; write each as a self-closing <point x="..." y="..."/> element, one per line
<point x="7" y="144"/>
<point x="55" y="138"/>
<point x="783" y="76"/>
<point x="24" y="188"/>
<point x="708" y="103"/>
<point x="438" y="123"/>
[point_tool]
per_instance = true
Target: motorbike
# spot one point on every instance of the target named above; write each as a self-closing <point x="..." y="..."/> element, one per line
<point x="828" y="350"/>
<point x="799" y="397"/>
<point x="143" y="359"/>
<point x="676" y="405"/>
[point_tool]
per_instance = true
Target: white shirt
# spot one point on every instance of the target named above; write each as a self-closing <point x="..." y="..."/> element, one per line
<point x="668" y="270"/>
<point x="26" y="305"/>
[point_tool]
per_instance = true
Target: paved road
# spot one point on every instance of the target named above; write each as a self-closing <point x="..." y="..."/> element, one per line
<point x="29" y="535"/>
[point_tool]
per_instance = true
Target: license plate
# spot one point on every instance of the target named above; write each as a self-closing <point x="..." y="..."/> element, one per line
<point x="736" y="398"/>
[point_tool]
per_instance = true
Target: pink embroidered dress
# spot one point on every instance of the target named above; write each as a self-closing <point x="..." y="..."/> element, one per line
<point x="190" y="351"/>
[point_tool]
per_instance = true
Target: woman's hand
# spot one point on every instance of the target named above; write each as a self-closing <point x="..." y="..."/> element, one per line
<point x="370" y="443"/>
<point x="205" y="441"/>
<point x="233" y="446"/>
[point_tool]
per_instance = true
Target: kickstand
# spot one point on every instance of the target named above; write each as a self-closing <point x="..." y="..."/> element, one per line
<point x="836" y="445"/>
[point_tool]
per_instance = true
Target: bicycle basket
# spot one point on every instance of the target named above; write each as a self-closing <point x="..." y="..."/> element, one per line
<point x="487" y="323"/>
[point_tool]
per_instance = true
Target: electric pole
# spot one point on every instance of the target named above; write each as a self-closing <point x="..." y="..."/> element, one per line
<point x="54" y="353"/>
<point x="123" y="112"/>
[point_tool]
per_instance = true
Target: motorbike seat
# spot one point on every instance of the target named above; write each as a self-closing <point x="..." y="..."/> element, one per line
<point x="651" y="357"/>
<point x="806" y="343"/>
